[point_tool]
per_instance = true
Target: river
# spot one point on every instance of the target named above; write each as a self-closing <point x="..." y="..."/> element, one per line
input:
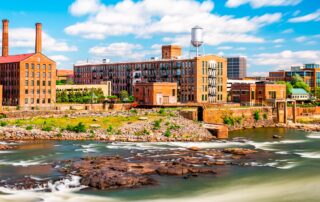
<point x="292" y="174"/>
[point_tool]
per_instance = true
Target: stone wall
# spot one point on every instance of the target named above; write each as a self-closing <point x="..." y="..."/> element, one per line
<point x="304" y="111"/>
<point x="244" y="115"/>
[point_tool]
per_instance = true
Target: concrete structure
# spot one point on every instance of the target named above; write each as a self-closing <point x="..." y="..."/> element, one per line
<point x="105" y="87"/>
<point x="64" y="76"/>
<point x="230" y="82"/>
<point x="200" y="79"/>
<point x="27" y="79"/>
<point x="299" y="94"/>
<point x="237" y="67"/>
<point x="162" y="93"/>
<point x="261" y="93"/>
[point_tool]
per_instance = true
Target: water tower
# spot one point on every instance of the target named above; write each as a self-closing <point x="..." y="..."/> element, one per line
<point x="196" y="40"/>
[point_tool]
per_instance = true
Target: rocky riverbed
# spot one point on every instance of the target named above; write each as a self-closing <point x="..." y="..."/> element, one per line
<point x="142" y="168"/>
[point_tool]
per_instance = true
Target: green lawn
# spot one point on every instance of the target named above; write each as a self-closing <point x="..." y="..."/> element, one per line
<point x="62" y="122"/>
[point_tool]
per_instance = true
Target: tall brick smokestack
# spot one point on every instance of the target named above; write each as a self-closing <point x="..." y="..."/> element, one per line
<point x="38" y="48"/>
<point x="5" y="37"/>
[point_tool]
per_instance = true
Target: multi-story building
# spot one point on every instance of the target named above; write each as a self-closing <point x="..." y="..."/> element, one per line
<point x="199" y="79"/>
<point x="27" y="79"/>
<point x="237" y="67"/>
<point x="310" y="73"/>
<point x="260" y="93"/>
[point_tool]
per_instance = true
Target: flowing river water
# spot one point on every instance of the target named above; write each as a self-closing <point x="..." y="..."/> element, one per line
<point x="292" y="174"/>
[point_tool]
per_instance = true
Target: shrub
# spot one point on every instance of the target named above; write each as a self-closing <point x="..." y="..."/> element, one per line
<point x="18" y="107"/>
<point x="18" y="122"/>
<point x="157" y="124"/>
<point x="167" y="133"/>
<point x="142" y="132"/>
<point x="59" y="135"/>
<point x="174" y="127"/>
<point x="256" y="115"/>
<point x="29" y="127"/>
<point x="265" y="116"/>
<point x="2" y="116"/>
<point x="47" y="128"/>
<point x="3" y="123"/>
<point x="133" y="111"/>
<point x="231" y="121"/>
<point x="162" y="111"/>
<point x="109" y="129"/>
<point x="79" y="128"/>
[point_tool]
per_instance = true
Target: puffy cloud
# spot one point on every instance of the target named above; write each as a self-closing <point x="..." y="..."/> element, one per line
<point x="147" y="18"/>
<point x="25" y="38"/>
<point x="59" y="58"/>
<point x="306" y="18"/>
<point x="122" y="49"/>
<point x="225" y="48"/>
<point x="301" y="39"/>
<point x="278" y="41"/>
<point x="83" y="7"/>
<point x="287" y="31"/>
<point x="287" y="58"/>
<point x="262" y="3"/>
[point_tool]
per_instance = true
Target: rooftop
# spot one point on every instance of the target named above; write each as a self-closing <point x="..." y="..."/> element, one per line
<point x="15" y="58"/>
<point x="299" y="91"/>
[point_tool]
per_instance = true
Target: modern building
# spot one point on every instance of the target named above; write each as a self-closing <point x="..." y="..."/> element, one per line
<point x="200" y="79"/>
<point x="156" y="93"/>
<point x="105" y="87"/>
<point x="237" y="67"/>
<point x="64" y="76"/>
<point x="27" y="79"/>
<point x="300" y="94"/>
<point x="310" y="73"/>
<point x="260" y="93"/>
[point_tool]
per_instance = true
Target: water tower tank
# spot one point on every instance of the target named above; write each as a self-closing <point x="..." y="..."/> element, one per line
<point x="197" y="36"/>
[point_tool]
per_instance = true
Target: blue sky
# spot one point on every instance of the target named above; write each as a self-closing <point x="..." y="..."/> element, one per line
<point x="272" y="34"/>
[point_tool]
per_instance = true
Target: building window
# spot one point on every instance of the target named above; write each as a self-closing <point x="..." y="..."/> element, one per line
<point x="49" y="67"/>
<point x="32" y="101"/>
<point x="38" y="66"/>
<point x="26" y="92"/>
<point x="49" y="75"/>
<point x="49" y="91"/>
<point x="49" y="83"/>
<point x="43" y="83"/>
<point x="32" y="82"/>
<point x="38" y="101"/>
<point x="32" y="66"/>
<point x="43" y="75"/>
<point x="26" y="82"/>
<point x="252" y="95"/>
<point x="49" y="101"/>
<point x="43" y="101"/>
<point x="26" y="100"/>
<point x="27" y="74"/>
<point x="44" y="91"/>
<point x="38" y="74"/>
<point x="27" y="65"/>
<point x="38" y="91"/>
<point x="173" y="92"/>
<point x="44" y="67"/>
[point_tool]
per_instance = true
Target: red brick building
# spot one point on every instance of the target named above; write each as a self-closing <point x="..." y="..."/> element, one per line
<point x="162" y="93"/>
<point x="200" y="79"/>
<point x="260" y="93"/>
<point x="27" y="79"/>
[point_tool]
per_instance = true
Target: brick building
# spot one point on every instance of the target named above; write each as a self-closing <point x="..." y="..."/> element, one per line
<point x="260" y="93"/>
<point x="199" y="79"/>
<point x="27" y="79"/>
<point x="162" y="93"/>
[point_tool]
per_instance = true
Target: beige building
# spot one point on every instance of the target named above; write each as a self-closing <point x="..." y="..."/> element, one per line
<point x="105" y="87"/>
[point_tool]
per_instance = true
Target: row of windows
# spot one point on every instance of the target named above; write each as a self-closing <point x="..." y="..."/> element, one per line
<point x="32" y="83"/>
<point x="31" y="91"/>
<point x="38" y="74"/>
<point x="38" y="101"/>
<point x="32" y="65"/>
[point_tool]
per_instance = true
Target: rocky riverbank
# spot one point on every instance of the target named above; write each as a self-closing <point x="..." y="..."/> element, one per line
<point x="142" y="169"/>
<point x="149" y="126"/>
<point x="301" y="126"/>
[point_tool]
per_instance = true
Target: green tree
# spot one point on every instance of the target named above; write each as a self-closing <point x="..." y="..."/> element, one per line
<point x="64" y="96"/>
<point x="317" y="92"/>
<point x="124" y="95"/>
<point x="297" y="82"/>
<point x="72" y="96"/>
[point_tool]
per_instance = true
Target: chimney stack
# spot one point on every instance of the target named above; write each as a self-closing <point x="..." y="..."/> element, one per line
<point x="5" y="37"/>
<point x="38" y="48"/>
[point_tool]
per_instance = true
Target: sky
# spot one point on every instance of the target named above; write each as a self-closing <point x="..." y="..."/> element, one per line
<point x="272" y="34"/>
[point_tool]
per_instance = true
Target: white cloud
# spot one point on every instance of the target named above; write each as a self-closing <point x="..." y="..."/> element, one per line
<point x="287" y="58"/>
<point x="25" y="38"/>
<point x="262" y="3"/>
<point x="122" y="49"/>
<point x="287" y="31"/>
<point x="83" y="7"/>
<point x="306" y="18"/>
<point x="225" y="48"/>
<point x="59" y="58"/>
<point x="147" y="18"/>
<point x="301" y="39"/>
<point x="278" y="41"/>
